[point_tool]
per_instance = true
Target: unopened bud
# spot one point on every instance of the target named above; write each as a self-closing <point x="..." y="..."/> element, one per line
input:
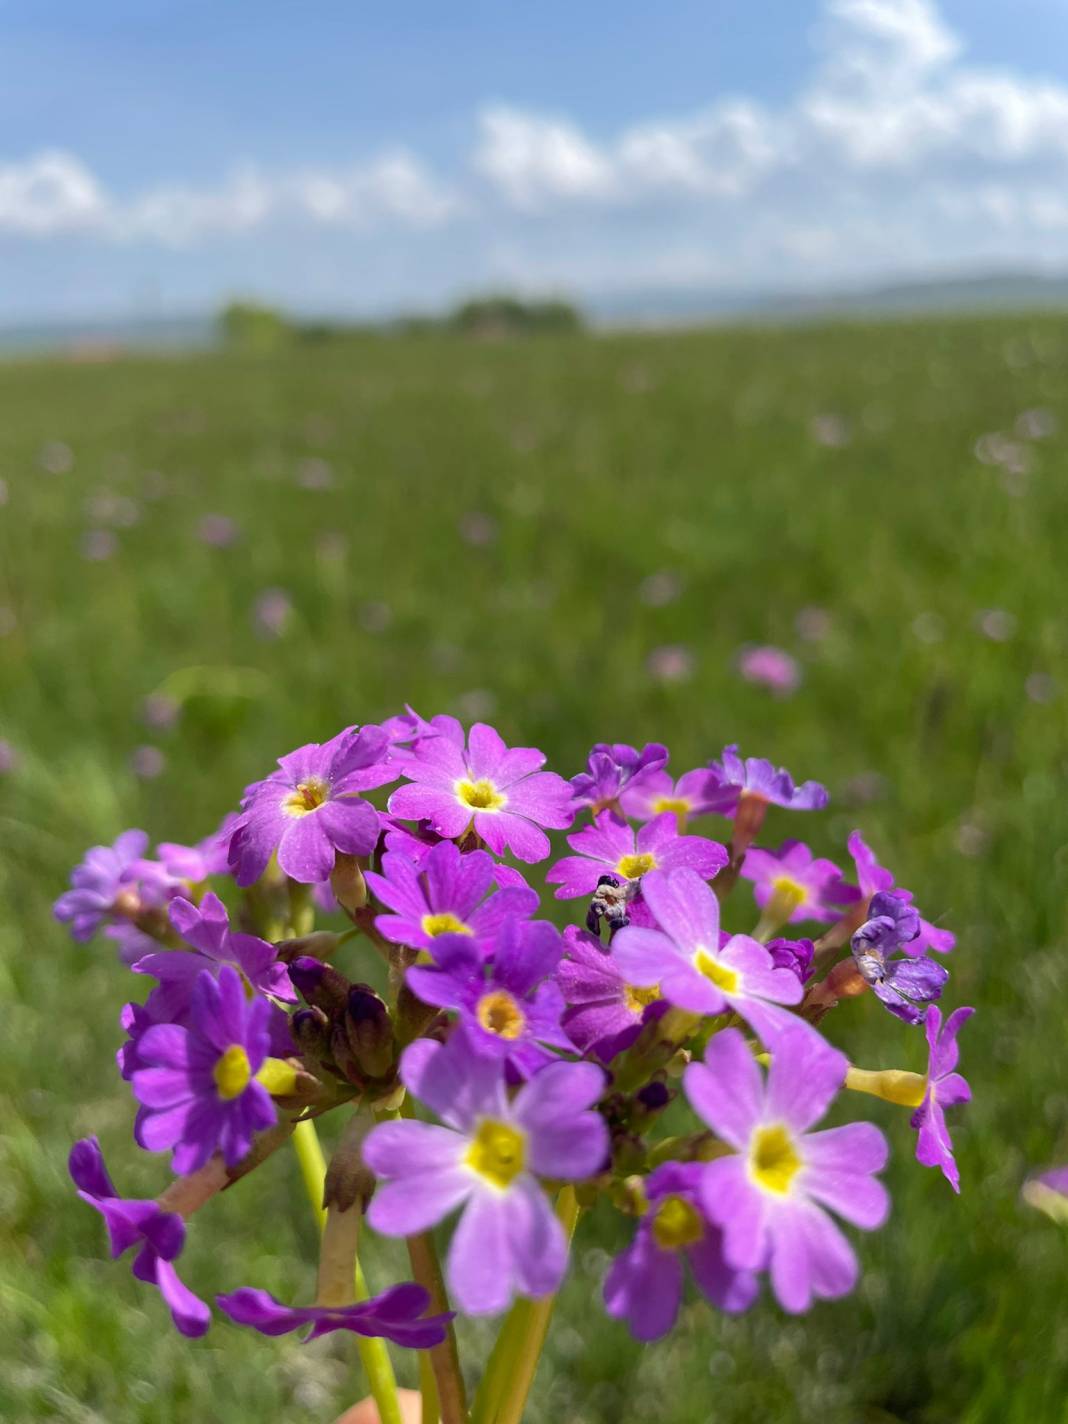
<point x="310" y="1029"/>
<point x="369" y="1031"/>
<point x="895" y="1085"/>
<point x="347" y="882"/>
<point x="321" y="944"/>
<point x="649" y="1101"/>
<point x="321" y="985"/>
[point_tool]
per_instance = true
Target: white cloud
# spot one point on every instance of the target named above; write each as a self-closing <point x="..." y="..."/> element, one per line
<point x="55" y="194"/>
<point x="895" y="150"/>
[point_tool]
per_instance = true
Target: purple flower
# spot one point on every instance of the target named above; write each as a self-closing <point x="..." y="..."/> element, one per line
<point x="755" y="777"/>
<point x="644" y="1285"/>
<point x="771" y="668"/>
<point x="945" y="1088"/>
<point x="199" y="1087"/>
<point x="768" y="1196"/>
<point x="160" y="1235"/>
<point x="397" y="1315"/>
<point x="198" y="862"/>
<point x="498" y="791"/>
<point x="792" y="884"/>
<point x="207" y="928"/>
<point x="905" y="986"/>
<point x="444" y="895"/>
<point x="488" y="1158"/>
<point x="611" y="768"/>
<point x="683" y="957"/>
<point x="874" y="878"/>
<point x="793" y="954"/>
<point x="310" y="808"/>
<point x="611" y="846"/>
<point x="1048" y="1192"/>
<point x="654" y="792"/>
<point x="507" y="1007"/>
<point x="605" y="1014"/>
<point x="112" y="886"/>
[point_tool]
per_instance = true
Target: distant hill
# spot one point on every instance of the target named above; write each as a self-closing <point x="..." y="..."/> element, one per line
<point x="991" y="292"/>
<point x="975" y="293"/>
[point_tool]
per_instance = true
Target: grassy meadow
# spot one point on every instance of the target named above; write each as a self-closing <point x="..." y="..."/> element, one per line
<point x="572" y="538"/>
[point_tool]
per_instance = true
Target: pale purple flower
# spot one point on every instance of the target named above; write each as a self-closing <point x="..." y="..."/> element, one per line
<point x="9" y="758"/>
<point x="499" y="792"/>
<point x="218" y="531"/>
<point x="488" y="1158"/>
<point x="945" y="1088"/>
<point x="208" y="857"/>
<point x="771" y="668"/>
<point x="905" y="986"/>
<point x="604" y="1013"/>
<point x="310" y="808"/>
<point x="769" y="1195"/>
<point x="160" y="712"/>
<point x="206" y="927"/>
<point x="272" y="613"/>
<point x="110" y="888"/>
<point x="644" y="1285"/>
<point x="159" y="1234"/>
<point x="873" y="878"/>
<point x="447" y="894"/>
<point x="610" y="846"/>
<point x="792" y="884"/>
<point x="653" y="793"/>
<point x="99" y="545"/>
<point x="685" y="959"/>
<point x="198" y="1088"/>
<point x="147" y="763"/>
<point x="611" y="768"/>
<point x="398" y="1315"/>
<point x="1048" y="1192"/>
<point x="509" y="1007"/>
<point x="671" y="662"/>
<point x="755" y="777"/>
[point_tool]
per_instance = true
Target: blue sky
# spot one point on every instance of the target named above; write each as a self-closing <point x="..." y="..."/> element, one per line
<point x="156" y="156"/>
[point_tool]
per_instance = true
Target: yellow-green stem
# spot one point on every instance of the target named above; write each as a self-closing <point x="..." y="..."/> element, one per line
<point x="428" y="1389"/>
<point x="502" y="1395"/>
<point x="373" y="1354"/>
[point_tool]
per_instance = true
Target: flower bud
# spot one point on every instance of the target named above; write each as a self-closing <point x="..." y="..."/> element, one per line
<point x="321" y="985"/>
<point x="369" y="1031"/>
<point x="310" y="1029"/>
<point x="320" y="944"/>
<point x="347" y="882"/>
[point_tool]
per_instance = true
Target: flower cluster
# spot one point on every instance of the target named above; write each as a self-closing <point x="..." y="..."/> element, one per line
<point x="489" y="1067"/>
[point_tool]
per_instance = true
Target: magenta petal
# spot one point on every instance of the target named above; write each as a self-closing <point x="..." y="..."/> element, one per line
<point x="190" y="1314"/>
<point x="398" y="1149"/>
<point x="305" y="852"/>
<point x="727" y="1089"/>
<point x="418" y="1200"/>
<point x="644" y="1287"/>
<point x="741" y="1211"/>
<point x="480" y="1266"/>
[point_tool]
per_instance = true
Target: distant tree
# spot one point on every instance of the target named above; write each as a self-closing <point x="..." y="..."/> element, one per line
<point x="254" y="327"/>
<point x="504" y="315"/>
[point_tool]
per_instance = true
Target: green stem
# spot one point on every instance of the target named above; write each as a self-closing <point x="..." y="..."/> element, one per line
<point x="373" y="1354"/>
<point x="502" y="1395"/>
<point x="444" y="1359"/>
<point x="428" y="1389"/>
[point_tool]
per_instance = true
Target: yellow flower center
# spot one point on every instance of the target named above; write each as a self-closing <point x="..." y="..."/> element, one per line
<point x="499" y="1013"/>
<point x="308" y="796"/>
<point x="637" y="999"/>
<point x="723" y="978"/>
<point x="773" y="1159"/>
<point x="633" y="867"/>
<point x="671" y="803"/>
<point x="480" y="795"/>
<point x="676" y="1224"/>
<point x="232" y="1073"/>
<point x="444" y="923"/>
<point x="786" y="895"/>
<point x="497" y="1153"/>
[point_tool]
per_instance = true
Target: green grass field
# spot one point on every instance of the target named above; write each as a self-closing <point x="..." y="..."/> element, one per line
<point x="494" y="516"/>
